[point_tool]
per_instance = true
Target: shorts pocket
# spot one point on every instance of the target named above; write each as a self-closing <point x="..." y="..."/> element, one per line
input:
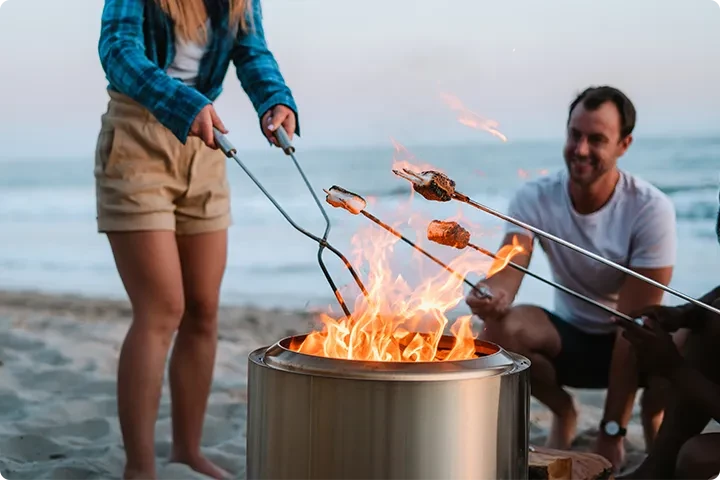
<point x="104" y="149"/>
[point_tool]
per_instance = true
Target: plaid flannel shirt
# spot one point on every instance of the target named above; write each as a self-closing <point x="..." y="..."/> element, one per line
<point x="137" y="45"/>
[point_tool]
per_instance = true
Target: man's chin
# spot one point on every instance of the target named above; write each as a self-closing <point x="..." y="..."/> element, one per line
<point x="583" y="180"/>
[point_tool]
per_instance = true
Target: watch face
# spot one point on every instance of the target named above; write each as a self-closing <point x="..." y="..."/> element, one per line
<point x="612" y="428"/>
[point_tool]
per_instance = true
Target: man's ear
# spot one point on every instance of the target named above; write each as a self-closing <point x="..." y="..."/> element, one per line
<point x="625" y="144"/>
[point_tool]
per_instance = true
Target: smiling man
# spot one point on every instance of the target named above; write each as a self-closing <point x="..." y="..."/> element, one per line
<point x="601" y="208"/>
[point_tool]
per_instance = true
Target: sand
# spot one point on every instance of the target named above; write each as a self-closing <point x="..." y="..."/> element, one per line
<point x="58" y="416"/>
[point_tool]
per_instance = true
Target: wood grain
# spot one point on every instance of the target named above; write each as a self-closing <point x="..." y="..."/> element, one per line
<point x="583" y="465"/>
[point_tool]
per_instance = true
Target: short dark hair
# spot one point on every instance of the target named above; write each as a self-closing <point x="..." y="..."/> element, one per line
<point x="593" y="97"/>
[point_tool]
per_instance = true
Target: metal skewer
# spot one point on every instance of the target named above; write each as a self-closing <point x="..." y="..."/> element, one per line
<point x="483" y="292"/>
<point x="231" y="152"/>
<point x="575" y="294"/>
<point x="460" y="243"/>
<point x="465" y="199"/>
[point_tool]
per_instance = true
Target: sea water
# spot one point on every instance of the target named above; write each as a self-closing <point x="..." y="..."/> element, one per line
<point x="49" y="241"/>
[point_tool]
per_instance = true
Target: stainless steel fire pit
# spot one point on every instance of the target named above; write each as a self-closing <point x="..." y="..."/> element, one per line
<point x="312" y="417"/>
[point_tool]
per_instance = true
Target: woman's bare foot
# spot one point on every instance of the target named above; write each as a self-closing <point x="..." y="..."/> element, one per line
<point x="130" y="474"/>
<point x="201" y="464"/>
<point x="562" y="432"/>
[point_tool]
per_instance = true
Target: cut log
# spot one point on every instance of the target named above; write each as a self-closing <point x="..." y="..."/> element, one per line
<point x="583" y="465"/>
<point x="545" y="466"/>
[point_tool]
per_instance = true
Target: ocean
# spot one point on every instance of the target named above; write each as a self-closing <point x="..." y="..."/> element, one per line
<point x="49" y="242"/>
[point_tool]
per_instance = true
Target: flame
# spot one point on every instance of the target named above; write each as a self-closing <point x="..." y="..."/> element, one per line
<point x="505" y="256"/>
<point x="401" y="322"/>
<point x="471" y="119"/>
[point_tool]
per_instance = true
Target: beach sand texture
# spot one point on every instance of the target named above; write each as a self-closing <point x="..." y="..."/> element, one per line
<point x="58" y="416"/>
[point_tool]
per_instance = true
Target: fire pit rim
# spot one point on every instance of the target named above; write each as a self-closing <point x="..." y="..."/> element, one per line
<point x="279" y="356"/>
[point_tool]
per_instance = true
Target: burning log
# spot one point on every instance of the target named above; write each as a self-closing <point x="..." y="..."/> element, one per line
<point x="452" y="234"/>
<point x="436" y="186"/>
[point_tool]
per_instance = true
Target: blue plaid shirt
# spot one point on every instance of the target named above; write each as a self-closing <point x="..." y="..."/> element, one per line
<point x="137" y="45"/>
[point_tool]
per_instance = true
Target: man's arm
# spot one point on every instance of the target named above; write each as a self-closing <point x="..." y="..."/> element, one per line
<point x="623" y="382"/>
<point x="652" y="254"/>
<point x="510" y="279"/>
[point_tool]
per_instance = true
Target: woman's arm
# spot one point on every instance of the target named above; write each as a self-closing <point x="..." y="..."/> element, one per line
<point x="122" y="54"/>
<point x="257" y="70"/>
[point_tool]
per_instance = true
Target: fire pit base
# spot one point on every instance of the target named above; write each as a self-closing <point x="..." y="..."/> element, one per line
<point x="320" y="418"/>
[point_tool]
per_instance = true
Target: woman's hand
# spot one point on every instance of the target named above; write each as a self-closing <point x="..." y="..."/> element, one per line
<point x="203" y="125"/>
<point x="276" y="116"/>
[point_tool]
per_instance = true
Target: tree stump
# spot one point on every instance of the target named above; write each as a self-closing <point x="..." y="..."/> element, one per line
<point x="548" y="464"/>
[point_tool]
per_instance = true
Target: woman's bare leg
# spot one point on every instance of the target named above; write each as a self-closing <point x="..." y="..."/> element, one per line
<point x="149" y="266"/>
<point x="203" y="260"/>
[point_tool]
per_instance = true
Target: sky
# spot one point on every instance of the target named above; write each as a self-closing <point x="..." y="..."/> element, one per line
<point x="363" y="72"/>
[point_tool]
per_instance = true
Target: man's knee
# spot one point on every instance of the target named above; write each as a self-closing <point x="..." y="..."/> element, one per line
<point x="518" y="330"/>
<point x="696" y="459"/>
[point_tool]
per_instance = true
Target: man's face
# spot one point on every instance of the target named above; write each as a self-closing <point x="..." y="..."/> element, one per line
<point x="593" y="143"/>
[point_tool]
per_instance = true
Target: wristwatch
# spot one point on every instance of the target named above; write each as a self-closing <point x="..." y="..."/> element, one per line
<point x="612" y="428"/>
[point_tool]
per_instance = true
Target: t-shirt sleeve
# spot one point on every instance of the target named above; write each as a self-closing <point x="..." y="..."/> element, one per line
<point x="654" y="241"/>
<point x="523" y="207"/>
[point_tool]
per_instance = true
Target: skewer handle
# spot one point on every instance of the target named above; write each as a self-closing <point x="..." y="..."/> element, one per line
<point x="224" y="144"/>
<point x="284" y="141"/>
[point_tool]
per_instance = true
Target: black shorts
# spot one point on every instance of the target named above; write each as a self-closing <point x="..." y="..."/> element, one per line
<point x="584" y="359"/>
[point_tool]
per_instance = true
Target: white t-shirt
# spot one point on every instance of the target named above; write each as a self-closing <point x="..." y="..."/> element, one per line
<point x="635" y="229"/>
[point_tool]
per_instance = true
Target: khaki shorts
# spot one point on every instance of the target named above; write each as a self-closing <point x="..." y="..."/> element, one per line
<point x="145" y="179"/>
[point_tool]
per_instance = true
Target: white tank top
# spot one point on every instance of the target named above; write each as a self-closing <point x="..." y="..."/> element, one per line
<point x="186" y="64"/>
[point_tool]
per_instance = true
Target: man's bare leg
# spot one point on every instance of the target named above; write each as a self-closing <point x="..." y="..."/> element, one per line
<point x="698" y="459"/>
<point x="527" y="330"/>
<point x="203" y="259"/>
<point x="149" y="266"/>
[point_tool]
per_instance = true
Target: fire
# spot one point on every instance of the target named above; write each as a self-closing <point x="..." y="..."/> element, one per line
<point x="471" y="119"/>
<point x="400" y="322"/>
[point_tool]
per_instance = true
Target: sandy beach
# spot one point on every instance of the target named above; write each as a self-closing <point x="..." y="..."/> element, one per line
<point x="58" y="416"/>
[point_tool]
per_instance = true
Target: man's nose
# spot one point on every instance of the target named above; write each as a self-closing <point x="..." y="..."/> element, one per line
<point x="582" y="147"/>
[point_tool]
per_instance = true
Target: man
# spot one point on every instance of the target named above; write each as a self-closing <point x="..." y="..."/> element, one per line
<point x="680" y="450"/>
<point x="597" y="206"/>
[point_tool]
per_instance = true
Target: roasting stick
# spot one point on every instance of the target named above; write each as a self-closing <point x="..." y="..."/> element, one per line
<point x="452" y="234"/>
<point x="231" y="152"/>
<point x="340" y="198"/>
<point x="436" y="186"/>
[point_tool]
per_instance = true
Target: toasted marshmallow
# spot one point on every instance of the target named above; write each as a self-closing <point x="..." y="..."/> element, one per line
<point x="340" y="198"/>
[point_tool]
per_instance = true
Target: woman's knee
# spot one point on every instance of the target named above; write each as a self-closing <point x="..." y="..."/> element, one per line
<point x="159" y="316"/>
<point x="201" y="314"/>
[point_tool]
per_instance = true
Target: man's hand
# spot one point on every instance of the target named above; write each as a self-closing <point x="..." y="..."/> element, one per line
<point x="488" y="308"/>
<point x="276" y="116"/>
<point x="612" y="449"/>
<point x="654" y="348"/>
<point x="671" y="319"/>
<point x="203" y="125"/>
